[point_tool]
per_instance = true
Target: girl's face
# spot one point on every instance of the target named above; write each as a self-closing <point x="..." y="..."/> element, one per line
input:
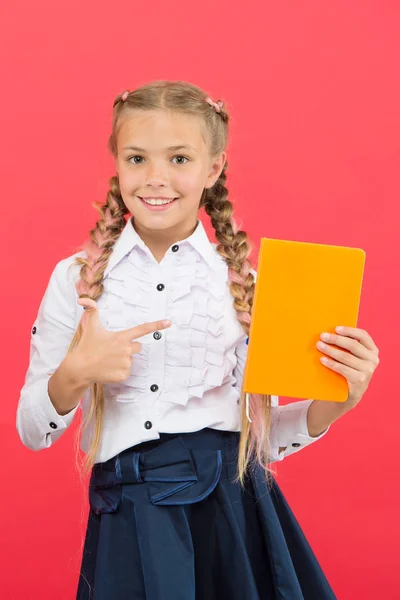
<point x="163" y="155"/>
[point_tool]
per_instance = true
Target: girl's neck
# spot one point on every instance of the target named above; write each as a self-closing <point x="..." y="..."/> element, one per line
<point x="159" y="241"/>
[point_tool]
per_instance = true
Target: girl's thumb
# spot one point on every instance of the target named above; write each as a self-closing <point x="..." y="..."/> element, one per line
<point x="91" y="311"/>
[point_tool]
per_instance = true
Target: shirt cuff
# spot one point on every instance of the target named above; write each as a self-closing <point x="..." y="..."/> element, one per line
<point x="43" y="425"/>
<point x="291" y="429"/>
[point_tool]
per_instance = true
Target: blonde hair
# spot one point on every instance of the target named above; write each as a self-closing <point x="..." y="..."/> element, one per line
<point x="233" y="246"/>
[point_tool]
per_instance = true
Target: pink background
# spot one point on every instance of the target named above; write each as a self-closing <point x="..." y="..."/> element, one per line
<point x="314" y="91"/>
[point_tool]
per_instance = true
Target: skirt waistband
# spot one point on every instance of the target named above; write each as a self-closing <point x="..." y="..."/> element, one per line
<point x="177" y="468"/>
<point x="205" y="439"/>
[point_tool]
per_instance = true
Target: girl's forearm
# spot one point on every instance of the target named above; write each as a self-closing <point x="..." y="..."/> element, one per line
<point x="67" y="385"/>
<point x="322" y="414"/>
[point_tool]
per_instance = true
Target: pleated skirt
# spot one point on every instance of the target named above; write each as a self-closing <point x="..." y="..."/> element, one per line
<point x="168" y="521"/>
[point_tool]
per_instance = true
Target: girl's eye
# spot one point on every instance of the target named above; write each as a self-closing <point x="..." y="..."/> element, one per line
<point x="179" y="156"/>
<point x="132" y="158"/>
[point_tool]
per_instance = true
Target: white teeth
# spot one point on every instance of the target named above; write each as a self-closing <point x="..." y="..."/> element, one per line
<point x="157" y="202"/>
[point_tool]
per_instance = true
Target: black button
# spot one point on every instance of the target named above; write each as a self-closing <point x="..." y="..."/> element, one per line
<point x="175" y="248"/>
<point x="53" y="425"/>
<point x="154" y="387"/>
<point x="160" y="287"/>
<point x="148" y="425"/>
<point x="157" y="335"/>
<point x="34" y="330"/>
<point x="296" y="445"/>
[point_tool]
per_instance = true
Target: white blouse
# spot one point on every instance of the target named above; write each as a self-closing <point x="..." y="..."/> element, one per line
<point x="186" y="377"/>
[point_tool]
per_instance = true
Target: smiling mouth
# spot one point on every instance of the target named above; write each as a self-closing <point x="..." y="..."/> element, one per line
<point x="154" y="202"/>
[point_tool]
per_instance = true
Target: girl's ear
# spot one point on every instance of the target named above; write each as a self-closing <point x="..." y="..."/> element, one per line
<point x="215" y="170"/>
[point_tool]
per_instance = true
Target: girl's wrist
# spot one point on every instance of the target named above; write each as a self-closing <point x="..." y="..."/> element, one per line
<point x="77" y="368"/>
<point x="67" y="385"/>
<point x="322" y="414"/>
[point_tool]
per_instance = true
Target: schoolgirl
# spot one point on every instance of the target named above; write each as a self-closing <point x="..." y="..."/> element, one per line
<point x="183" y="505"/>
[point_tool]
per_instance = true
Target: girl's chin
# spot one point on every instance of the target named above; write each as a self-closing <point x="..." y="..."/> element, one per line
<point x="154" y="220"/>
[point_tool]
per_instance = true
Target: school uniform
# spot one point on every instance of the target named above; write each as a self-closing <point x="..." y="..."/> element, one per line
<point x="167" y="519"/>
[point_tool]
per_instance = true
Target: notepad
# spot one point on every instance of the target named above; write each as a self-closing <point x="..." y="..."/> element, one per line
<point x="302" y="290"/>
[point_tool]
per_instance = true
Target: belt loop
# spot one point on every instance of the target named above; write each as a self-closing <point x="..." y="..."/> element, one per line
<point x="136" y="458"/>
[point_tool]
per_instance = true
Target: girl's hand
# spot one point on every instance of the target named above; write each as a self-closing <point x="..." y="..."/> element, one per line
<point x="356" y="362"/>
<point x="106" y="356"/>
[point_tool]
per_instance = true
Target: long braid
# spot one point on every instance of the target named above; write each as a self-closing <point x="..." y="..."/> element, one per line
<point x="90" y="285"/>
<point x="233" y="246"/>
<point x="100" y="245"/>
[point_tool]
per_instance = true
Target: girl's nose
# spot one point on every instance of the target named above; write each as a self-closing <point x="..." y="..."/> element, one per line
<point x="156" y="175"/>
<point x="155" y="181"/>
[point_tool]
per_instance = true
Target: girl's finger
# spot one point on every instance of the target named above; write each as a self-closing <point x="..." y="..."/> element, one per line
<point x="352" y="375"/>
<point x="352" y="345"/>
<point x="140" y="330"/>
<point x="358" y="334"/>
<point x="346" y="358"/>
<point x="87" y="303"/>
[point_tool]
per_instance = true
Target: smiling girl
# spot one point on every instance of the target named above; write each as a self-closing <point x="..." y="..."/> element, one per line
<point x="183" y="505"/>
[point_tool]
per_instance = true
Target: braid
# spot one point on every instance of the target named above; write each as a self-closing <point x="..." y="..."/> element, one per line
<point x="102" y="239"/>
<point x="234" y="248"/>
<point x="90" y="285"/>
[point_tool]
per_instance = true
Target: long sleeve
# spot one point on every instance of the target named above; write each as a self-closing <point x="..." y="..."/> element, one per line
<point x="38" y="423"/>
<point x="289" y="427"/>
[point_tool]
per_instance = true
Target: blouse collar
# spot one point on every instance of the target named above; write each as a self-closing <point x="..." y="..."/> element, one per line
<point x="130" y="239"/>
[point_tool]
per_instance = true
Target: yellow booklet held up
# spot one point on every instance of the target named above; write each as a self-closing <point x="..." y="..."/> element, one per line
<point x="302" y="290"/>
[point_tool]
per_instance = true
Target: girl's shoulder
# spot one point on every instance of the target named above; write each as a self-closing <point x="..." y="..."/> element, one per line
<point x="66" y="272"/>
<point x="68" y="266"/>
<point x="59" y="298"/>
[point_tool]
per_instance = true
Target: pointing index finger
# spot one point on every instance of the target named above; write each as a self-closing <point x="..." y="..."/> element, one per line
<point x="141" y="330"/>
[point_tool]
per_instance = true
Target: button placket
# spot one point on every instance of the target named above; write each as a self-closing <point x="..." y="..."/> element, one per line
<point x="158" y="310"/>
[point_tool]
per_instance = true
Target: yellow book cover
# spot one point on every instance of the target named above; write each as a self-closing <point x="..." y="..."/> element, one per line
<point x="302" y="289"/>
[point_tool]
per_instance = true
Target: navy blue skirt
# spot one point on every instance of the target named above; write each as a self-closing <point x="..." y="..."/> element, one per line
<point x="167" y="521"/>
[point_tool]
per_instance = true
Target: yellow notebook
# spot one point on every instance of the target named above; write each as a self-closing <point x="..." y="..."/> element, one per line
<point x="302" y="290"/>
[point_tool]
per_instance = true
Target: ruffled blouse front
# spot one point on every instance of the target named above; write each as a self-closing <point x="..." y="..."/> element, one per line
<point x="185" y="378"/>
<point x="188" y="359"/>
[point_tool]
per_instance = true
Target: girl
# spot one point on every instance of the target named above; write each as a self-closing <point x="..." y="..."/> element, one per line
<point x="182" y="502"/>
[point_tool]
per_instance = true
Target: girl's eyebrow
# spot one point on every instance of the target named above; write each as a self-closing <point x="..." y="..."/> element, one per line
<point x="174" y="148"/>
